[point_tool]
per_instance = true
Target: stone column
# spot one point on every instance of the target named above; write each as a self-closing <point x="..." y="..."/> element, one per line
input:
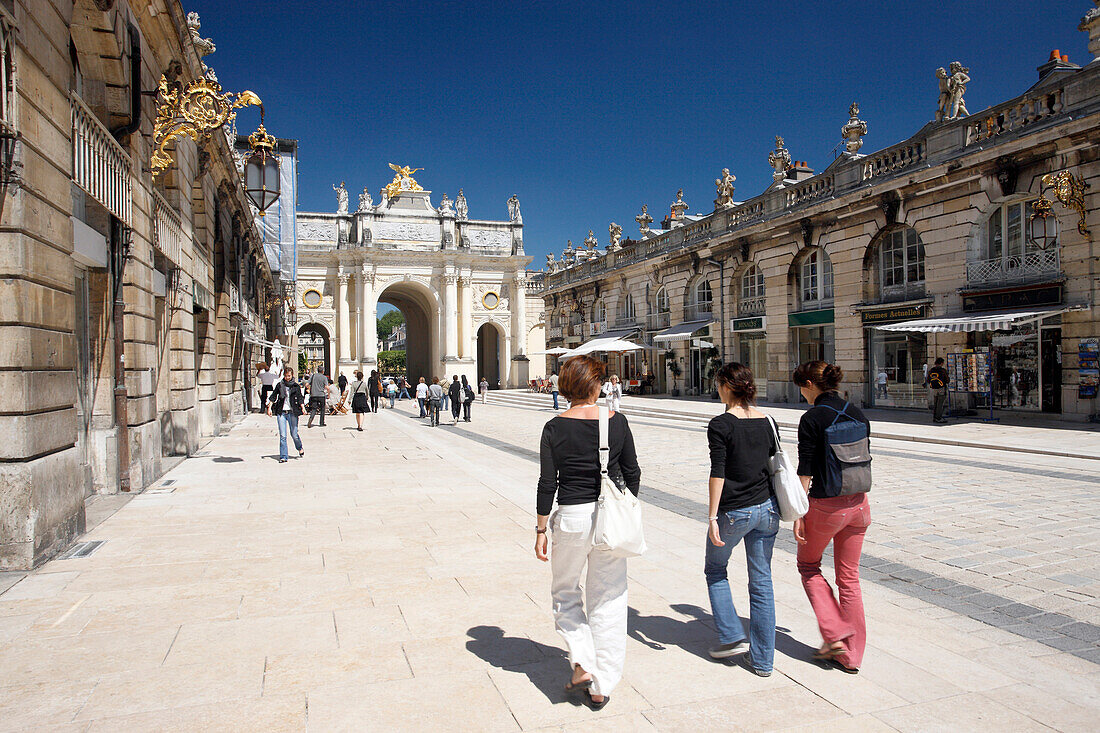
<point x="368" y="340"/>
<point x="519" y="314"/>
<point x="450" y="316"/>
<point x="342" y="316"/>
<point x="468" y="342"/>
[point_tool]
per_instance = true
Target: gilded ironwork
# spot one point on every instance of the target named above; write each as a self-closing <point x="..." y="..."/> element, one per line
<point x="1070" y="192"/>
<point x="402" y="180"/>
<point x="195" y="111"/>
<point x="261" y="140"/>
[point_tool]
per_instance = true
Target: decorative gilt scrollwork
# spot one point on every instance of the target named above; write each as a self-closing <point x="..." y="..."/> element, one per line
<point x="195" y="111"/>
<point x="1070" y="192"/>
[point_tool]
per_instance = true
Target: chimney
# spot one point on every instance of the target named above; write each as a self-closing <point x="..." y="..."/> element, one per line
<point x="1057" y="62"/>
<point x="800" y="171"/>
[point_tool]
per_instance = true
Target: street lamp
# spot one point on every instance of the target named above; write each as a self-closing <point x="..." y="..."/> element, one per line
<point x="261" y="169"/>
<point x="291" y="315"/>
<point x="1044" y="224"/>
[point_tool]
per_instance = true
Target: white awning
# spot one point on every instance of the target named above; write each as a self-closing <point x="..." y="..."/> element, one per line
<point x="604" y="343"/>
<point x="982" y="322"/>
<point x="681" y="331"/>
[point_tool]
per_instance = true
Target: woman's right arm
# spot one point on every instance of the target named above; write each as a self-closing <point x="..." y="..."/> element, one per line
<point x="719" y="445"/>
<point x="547" y="487"/>
<point x="807" y="447"/>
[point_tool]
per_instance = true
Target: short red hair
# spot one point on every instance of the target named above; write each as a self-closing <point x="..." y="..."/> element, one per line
<point x="580" y="378"/>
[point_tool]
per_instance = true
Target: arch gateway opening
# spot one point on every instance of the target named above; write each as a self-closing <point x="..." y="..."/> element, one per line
<point x="448" y="273"/>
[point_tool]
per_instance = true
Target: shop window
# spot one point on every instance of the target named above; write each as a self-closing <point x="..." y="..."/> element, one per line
<point x="815" y="280"/>
<point x="751" y="301"/>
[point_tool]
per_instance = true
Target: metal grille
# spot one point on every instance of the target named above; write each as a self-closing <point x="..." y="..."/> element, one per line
<point x="83" y="549"/>
<point x="101" y="168"/>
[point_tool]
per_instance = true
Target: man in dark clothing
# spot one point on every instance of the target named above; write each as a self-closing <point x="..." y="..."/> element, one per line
<point x="285" y="404"/>
<point x="342" y="383"/>
<point x="457" y="395"/>
<point x="938" y="380"/>
<point x="318" y="387"/>
<point x="403" y="386"/>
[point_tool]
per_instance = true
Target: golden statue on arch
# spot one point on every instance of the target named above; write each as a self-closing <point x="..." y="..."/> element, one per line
<point x="402" y="180"/>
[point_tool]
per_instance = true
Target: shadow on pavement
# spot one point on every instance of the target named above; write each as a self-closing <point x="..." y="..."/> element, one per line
<point x="227" y="459"/>
<point x="545" y="666"/>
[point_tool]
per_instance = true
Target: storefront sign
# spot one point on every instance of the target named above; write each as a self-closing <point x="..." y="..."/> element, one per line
<point x="811" y="318"/>
<point x="893" y="315"/>
<point x="1051" y="295"/>
<point x="747" y="324"/>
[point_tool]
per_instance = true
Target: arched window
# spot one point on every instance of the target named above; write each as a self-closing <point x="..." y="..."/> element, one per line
<point x="1005" y="253"/>
<point x="751" y="301"/>
<point x="815" y="279"/>
<point x="599" y="312"/>
<point x="661" y="301"/>
<point x="901" y="264"/>
<point x="1007" y="231"/>
<point x="628" y="307"/>
<point x="702" y="296"/>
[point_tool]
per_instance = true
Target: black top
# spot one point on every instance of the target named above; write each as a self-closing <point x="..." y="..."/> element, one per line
<point x="455" y="392"/>
<point x="937" y="377"/>
<point x="571" y="462"/>
<point x="739" y="452"/>
<point x="374" y="384"/>
<point x="811" y="438"/>
<point x="279" y="393"/>
<point x="342" y="381"/>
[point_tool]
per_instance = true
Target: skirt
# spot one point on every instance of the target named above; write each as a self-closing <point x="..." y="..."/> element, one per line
<point x="359" y="403"/>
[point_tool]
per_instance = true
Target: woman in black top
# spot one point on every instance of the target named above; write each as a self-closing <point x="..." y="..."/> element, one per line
<point x="374" y="385"/>
<point x="456" y="395"/>
<point x="842" y="520"/>
<point x="359" y="400"/>
<point x="742" y="507"/>
<point x="571" y="471"/>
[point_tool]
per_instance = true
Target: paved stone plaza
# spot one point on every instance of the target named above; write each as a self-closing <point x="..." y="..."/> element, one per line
<point x="386" y="582"/>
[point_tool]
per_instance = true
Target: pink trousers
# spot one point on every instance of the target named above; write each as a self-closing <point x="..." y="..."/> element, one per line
<point x="842" y="520"/>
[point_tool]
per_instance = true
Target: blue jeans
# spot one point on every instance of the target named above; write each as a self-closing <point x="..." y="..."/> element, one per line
<point x="404" y="394"/>
<point x="288" y="421"/>
<point x="421" y="401"/>
<point x="555" y="394"/>
<point x="393" y="396"/>
<point x="757" y="526"/>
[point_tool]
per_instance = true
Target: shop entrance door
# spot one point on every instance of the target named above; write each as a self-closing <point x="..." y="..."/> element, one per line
<point x="1050" y="350"/>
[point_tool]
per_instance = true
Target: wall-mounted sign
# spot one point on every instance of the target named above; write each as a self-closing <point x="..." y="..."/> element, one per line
<point x="748" y="324"/>
<point x="811" y="318"/>
<point x="1049" y="295"/>
<point x="893" y="315"/>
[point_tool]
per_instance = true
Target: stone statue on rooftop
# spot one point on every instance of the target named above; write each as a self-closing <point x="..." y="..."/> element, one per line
<point x="960" y="77"/>
<point x="461" y="209"/>
<point x="644" y="219"/>
<point x="780" y="160"/>
<point x="403" y="180"/>
<point x="1091" y="24"/>
<point x="341" y="198"/>
<point x="854" y="131"/>
<point x="724" y="186"/>
<point x="446" y="206"/>
<point x="365" y="202"/>
<point x="551" y="263"/>
<point x="615" y="233"/>
<point x="513" y="210"/>
<point x="203" y="46"/>
<point x="590" y="241"/>
<point x="679" y="206"/>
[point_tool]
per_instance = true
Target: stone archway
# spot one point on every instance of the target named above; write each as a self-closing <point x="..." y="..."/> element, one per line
<point x="420" y="306"/>
<point x="492" y="354"/>
<point x="315" y="342"/>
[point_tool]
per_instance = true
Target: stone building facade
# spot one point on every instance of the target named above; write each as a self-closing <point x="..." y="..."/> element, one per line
<point x="881" y="262"/>
<point x="126" y="300"/>
<point x="469" y="303"/>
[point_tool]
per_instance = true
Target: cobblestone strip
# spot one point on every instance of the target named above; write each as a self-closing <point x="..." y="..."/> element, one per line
<point x="1056" y="630"/>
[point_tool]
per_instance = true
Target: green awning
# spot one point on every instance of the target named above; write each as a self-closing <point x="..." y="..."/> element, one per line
<point x="811" y="318"/>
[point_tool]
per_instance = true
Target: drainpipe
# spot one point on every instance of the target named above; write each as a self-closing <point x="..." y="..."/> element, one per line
<point x="119" y="254"/>
<point x="721" y="300"/>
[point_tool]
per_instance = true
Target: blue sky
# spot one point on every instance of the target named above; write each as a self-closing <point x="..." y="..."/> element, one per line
<point x="589" y="110"/>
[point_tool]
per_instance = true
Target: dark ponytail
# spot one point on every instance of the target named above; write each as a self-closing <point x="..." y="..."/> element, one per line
<point x="738" y="379"/>
<point x="821" y="374"/>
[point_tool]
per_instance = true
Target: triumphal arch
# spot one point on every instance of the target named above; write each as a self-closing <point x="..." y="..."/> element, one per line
<point x="462" y="284"/>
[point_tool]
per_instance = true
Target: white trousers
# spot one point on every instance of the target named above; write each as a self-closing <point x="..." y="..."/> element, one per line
<point x="613" y="402"/>
<point x="596" y="640"/>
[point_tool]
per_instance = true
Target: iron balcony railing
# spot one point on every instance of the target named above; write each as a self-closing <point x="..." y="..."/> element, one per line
<point x="626" y="321"/>
<point x="167" y="230"/>
<point x="698" y="312"/>
<point x="899" y="293"/>
<point x="101" y="168"/>
<point x="1015" y="269"/>
<point x="751" y="306"/>
<point x="656" y="321"/>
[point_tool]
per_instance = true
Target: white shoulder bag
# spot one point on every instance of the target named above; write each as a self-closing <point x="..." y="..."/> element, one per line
<point x="792" y="498"/>
<point x="619" y="514"/>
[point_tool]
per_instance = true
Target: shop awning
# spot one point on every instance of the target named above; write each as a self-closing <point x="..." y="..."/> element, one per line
<point x="977" y="322"/>
<point x="607" y="341"/>
<point x="681" y="331"/>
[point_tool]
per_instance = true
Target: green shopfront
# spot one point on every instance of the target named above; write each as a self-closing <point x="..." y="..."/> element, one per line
<point x="750" y="340"/>
<point x="812" y="337"/>
<point x="896" y="361"/>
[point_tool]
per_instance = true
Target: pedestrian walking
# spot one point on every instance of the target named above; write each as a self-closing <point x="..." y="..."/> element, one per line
<point x="554" y="388"/>
<point x="435" y="401"/>
<point x="374" y="389"/>
<point x="318" y="387"/>
<point x="422" y="397"/>
<point x="613" y="393"/>
<point x="593" y="620"/>
<point x="743" y="507"/>
<point x="881" y="380"/>
<point x="404" y="389"/>
<point x="457" y="395"/>
<point x="342" y="383"/>
<point x="445" y="386"/>
<point x="834" y="464"/>
<point x="391" y="391"/>
<point x="285" y="404"/>
<point x="483" y="385"/>
<point x="359" y="404"/>
<point x="938" y="380"/>
<point x="467" y="399"/>
<point x="267" y="382"/>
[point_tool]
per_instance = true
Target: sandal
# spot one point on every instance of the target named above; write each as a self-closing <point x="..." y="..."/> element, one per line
<point x="826" y="653"/>
<point x="572" y="687"/>
<point x="596" y="706"/>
